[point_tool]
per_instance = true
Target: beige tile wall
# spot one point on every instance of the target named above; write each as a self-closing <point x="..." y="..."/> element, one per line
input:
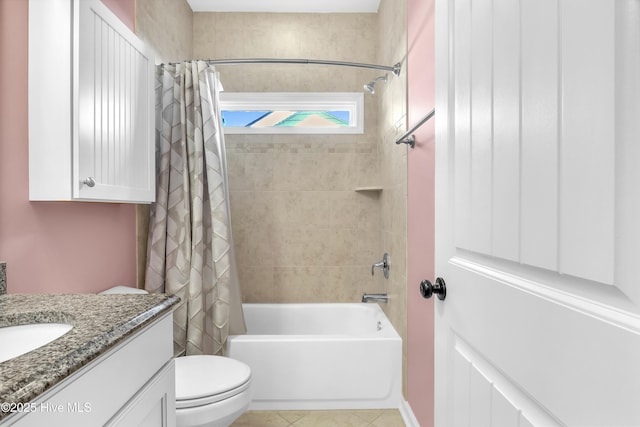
<point x="167" y="26"/>
<point x="302" y="234"/>
<point x="392" y="161"/>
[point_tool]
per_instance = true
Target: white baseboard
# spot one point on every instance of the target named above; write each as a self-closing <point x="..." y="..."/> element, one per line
<point x="408" y="417"/>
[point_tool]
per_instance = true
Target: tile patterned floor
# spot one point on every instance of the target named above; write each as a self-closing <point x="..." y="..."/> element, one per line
<point x="351" y="418"/>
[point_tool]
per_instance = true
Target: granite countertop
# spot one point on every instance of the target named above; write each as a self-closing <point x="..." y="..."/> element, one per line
<point x="99" y="323"/>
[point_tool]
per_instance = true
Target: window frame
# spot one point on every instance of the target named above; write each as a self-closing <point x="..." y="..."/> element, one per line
<point x="296" y="101"/>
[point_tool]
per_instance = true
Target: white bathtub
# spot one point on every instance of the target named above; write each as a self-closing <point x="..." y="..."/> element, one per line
<point x="320" y="356"/>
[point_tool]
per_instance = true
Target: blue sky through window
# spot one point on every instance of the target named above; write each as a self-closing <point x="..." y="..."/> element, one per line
<point x="241" y="118"/>
<point x="247" y="118"/>
<point x="341" y="115"/>
<point x="292" y="112"/>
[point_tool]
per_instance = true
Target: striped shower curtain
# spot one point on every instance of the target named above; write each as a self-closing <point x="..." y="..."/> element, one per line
<point x="190" y="250"/>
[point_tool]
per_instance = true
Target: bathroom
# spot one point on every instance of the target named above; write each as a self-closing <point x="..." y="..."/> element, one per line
<point x="325" y="231"/>
<point x="291" y="227"/>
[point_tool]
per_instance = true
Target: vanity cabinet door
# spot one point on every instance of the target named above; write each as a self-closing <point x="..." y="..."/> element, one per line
<point x="91" y="116"/>
<point x="153" y="406"/>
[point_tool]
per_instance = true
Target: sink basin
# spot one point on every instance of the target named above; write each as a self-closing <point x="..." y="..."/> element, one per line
<point x="18" y="340"/>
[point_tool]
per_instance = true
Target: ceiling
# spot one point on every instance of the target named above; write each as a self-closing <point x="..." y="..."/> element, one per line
<point x="286" y="6"/>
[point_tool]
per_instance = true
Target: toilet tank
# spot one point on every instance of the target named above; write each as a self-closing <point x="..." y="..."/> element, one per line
<point x="123" y="290"/>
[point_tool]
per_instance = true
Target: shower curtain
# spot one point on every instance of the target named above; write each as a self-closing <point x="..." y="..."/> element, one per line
<point x="190" y="250"/>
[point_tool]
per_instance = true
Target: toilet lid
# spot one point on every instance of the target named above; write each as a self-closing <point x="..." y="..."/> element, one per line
<point x="203" y="376"/>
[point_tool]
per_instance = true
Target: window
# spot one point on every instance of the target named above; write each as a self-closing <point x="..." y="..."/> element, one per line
<point x="307" y="112"/>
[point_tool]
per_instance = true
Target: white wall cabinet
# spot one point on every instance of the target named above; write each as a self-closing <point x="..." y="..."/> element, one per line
<point x="91" y="116"/>
<point x="131" y="385"/>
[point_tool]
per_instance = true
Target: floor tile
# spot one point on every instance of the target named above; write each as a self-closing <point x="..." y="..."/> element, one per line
<point x="261" y="419"/>
<point x="331" y="419"/>
<point x="292" y="416"/>
<point x="389" y="419"/>
<point x="368" y="414"/>
<point x="343" y="418"/>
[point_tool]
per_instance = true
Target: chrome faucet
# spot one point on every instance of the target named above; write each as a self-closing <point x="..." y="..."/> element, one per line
<point x="375" y="298"/>
<point x="384" y="265"/>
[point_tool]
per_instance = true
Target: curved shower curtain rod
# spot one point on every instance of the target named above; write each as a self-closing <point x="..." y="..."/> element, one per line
<point x="395" y="69"/>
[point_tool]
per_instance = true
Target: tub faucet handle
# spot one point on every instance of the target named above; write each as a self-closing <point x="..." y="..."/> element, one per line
<point x="384" y="265"/>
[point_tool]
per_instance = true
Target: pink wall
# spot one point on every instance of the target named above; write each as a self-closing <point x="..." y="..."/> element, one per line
<point x="51" y="247"/>
<point x="124" y="9"/>
<point x="420" y="201"/>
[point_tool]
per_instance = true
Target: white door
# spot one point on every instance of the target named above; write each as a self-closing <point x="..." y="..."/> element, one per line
<point x="538" y="212"/>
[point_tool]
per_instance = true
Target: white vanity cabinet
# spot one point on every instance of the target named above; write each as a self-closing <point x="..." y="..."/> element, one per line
<point x="131" y="385"/>
<point x="91" y="105"/>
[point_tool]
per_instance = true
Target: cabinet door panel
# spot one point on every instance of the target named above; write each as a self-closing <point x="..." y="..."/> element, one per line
<point x="153" y="406"/>
<point x="115" y="121"/>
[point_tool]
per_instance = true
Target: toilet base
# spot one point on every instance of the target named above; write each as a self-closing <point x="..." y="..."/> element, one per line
<point x="218" y="414"/>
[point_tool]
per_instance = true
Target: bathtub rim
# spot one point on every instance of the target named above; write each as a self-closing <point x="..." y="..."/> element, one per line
<point x="389" y="331"/>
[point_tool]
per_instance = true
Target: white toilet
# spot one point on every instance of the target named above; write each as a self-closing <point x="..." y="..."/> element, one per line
<point x="211" y="391"/>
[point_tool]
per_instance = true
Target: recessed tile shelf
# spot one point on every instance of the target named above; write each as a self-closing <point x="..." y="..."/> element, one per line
<point x="372" y="188"/>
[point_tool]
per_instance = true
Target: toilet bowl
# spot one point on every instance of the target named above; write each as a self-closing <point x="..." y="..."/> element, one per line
<point x="211" y="391"/>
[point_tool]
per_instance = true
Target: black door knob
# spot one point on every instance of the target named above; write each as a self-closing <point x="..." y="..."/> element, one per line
<point x="440" y="288"/>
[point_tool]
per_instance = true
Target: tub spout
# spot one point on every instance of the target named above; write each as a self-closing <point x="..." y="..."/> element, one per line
<point x="375" y="298"/>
